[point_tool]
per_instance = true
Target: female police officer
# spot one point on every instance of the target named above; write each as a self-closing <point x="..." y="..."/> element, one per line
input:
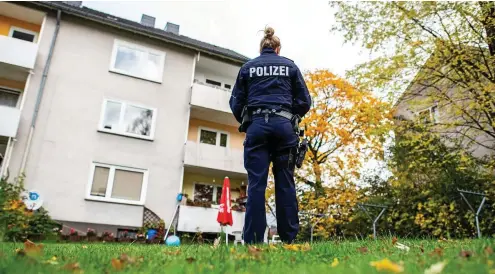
<point x="270" y="90"/>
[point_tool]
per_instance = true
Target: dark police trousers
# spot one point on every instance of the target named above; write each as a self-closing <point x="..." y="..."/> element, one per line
<point x="270" y="141"/>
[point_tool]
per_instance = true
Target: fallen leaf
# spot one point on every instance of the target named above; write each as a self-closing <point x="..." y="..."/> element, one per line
<point x="422" y="249"/>
<point x="52" y="261"/>
<point x="488" y="250"/>
<point x="394" y="240"/>
<point x="190" y="260"/>
<point x="305" y="247"/>
<point x="402" y="247"/>
<point x="272" y="247"/>
<point x="177" y="252"/>
<point x="335" y="262"/>
<point x="117" y="264"/>
<point x="437" y="251"/>
<point x="387" y="265"/>
<point x="436" y="268"/>
<point x="32" y="249"/>
<point x="363" y="249"/>
<point x="253" y="250"/>
<point x="84" y="246"/>
<point x="466" y="253"/>
<point x="74" y="267"/>
<point x="292" y="247"/>
<point x="232" y="250"/>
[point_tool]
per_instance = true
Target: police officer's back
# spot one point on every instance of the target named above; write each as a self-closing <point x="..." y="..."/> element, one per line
<point x="270" y="93"/>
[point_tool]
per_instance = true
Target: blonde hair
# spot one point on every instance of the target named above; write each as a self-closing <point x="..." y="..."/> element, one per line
<point x="269" y="40"/>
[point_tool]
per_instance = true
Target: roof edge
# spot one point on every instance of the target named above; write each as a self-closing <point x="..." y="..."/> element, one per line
<point x="140" y="31"/>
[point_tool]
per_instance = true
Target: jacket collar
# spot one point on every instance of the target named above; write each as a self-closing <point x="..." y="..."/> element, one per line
<point x="267" y="51"/>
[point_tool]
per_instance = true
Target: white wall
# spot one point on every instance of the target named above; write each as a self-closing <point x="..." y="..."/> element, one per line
<point x="66" y="140"/>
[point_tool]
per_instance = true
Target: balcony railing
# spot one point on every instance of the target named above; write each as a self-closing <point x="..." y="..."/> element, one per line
<point x="210" y="97"/>
<point x="214" y="157"/>
<point x="9" y="121"/>
<point x="18" y="52"/>
<point x="194" y="219"/>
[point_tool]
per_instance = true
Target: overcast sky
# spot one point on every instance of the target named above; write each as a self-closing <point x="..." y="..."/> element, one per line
<point x="303" y="27"/>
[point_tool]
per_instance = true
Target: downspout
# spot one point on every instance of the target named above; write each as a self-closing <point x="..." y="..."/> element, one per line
<point x="40" y="95"/>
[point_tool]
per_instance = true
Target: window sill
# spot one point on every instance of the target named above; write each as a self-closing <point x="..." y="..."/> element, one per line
<point x="116" y="71"/>
<point x="114" y="201"/>
<point x="135" y="136"/>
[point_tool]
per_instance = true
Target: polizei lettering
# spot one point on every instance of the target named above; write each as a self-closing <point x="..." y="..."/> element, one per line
<point x="269" y="71"/>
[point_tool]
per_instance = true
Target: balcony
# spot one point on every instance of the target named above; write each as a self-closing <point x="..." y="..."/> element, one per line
<point x="18" y="52"/>
<point x="214" y="157"/>
<point x="9" y="121"/>
<point x="211" y="103"/>
<point x="194" y="219"/>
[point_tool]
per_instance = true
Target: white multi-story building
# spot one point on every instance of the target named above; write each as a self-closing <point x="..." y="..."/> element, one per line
<point x="110" y="119"/>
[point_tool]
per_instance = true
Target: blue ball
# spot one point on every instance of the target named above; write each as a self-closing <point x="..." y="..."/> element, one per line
<point x="172" y="241"/>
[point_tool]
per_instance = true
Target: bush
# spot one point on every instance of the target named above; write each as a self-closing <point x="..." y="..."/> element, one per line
<point x="18" y="223"/>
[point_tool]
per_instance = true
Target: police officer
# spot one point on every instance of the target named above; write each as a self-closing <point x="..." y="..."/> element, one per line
<point x="271" y="91"/>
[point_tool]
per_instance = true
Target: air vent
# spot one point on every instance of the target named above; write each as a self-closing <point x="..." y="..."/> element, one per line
<point x="148" y="21"/>
<point x="173" y="28"/>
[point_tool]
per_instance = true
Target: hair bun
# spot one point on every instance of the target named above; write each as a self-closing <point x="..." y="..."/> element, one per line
<point x="269" y="32"/>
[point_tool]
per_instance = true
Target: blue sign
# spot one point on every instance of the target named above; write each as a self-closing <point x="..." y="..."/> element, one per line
<point x="33" y="196"/>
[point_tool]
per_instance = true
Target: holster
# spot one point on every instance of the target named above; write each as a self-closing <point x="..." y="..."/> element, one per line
<point x="302" y="148"/>
<point x="246" y="119"/>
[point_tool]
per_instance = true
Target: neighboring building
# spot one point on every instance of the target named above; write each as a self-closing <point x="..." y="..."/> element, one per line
<point x="129" y="116"/>
<point x="422" y="100"/>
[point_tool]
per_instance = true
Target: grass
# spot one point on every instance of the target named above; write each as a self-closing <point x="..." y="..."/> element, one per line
<point x="353" y="257"/>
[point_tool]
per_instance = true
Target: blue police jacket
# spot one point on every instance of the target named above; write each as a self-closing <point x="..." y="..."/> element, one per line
<point x="270" y="81"/>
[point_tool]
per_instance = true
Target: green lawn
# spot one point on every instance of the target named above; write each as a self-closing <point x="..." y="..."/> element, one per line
<point x="353" y="257"/>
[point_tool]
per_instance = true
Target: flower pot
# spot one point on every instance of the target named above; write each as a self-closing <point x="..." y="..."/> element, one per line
<point x="74" y="238"/>
<point x="92" y="239"/>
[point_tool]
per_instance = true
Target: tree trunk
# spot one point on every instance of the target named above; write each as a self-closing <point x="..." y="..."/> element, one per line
<point x="488" y="9"/>
<point x="319" y="191"/>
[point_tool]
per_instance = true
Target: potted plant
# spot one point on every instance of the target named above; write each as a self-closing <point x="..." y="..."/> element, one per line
<point x="73" y="235"/>
<point x="91" y="235"/>
<point x="160" y="233"/>
<point x="141" y="235"/>
<point x="108" y="236"/>
<point x="124" y="238"/>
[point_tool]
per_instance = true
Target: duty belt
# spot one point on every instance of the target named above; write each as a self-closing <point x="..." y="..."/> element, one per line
<point x="281" y="113"/>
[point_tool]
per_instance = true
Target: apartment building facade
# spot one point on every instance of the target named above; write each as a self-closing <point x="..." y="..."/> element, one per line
<point x="122" y="118"/>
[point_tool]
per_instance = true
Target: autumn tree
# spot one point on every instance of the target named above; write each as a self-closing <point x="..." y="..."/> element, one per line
<point x="442" y="53"/>
<point x="344" y="128"/>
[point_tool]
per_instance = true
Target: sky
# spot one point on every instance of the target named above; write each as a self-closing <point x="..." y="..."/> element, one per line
<point x="303" y="27"/>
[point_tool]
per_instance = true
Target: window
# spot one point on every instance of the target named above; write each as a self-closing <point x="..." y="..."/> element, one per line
<point x="215" y="83"/>
<point x="429" y="115"/>
<point x="9" y="98"/>
<point x="227" y="86"/>
<point x="137" y="61"/>
<point x="117" y="184"/>
<point x="207" y="193"/>
<point x="213" y="137"/>
<point x="23" y="34"/>
<point x="128" y="119"/>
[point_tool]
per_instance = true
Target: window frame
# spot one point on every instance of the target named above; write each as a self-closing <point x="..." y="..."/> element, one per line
<point x="13" y="91"/>
<point x="214" y="194"/>
<point x="217" y="141"/>
<point x="14" y="28"/>
<point x="433" y="116"/>
<point x="118" y="42"/>
<point x="124" y="105"/>
<point x="111" y="181"/>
